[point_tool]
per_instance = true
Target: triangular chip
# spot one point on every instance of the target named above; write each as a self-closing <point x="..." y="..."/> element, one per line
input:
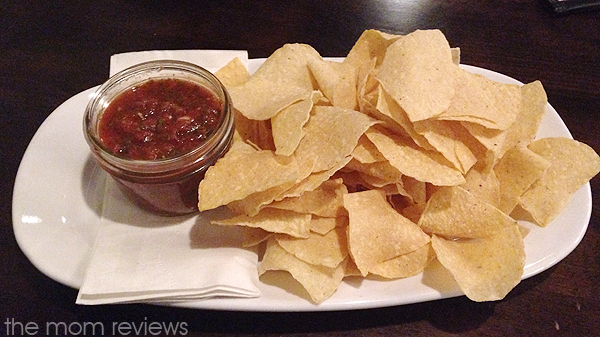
<point x="337" y="81"/>
<point x="516" y="171"/>
<point x="416" y="189"/>
<point x="419" y="74"/>
<point x="387" y="106"/>
<point x="453" y="212"/>
<point x="254" y="171"/>
<point x="320" y="282"/>
<point x="376" y="232"/>
<point x="233" y="73"/>
<point x="413" y="161"/>
<point x="483" y="185"/>
<point x="491" y="139"/>
<point x="284" y="78"/>
<point x="372" y="44"/>
<point x="287" y="125"/>
<point x="572" y="164"/>
<point x="325" y="201"/>
<point x="254" y="236"/>
<point x="273" y="220"/>
<point x="331" y="135"/>
<point x="253" y="203"/>
<point x="532" y="109"/>
<point x="405" y="265"/>
<point x="479" y="100"/>
<point x="327" y="250"/>
<point x="485" y="269"/>
<point x="451" y="139"/>
<point x="382" y="170"/>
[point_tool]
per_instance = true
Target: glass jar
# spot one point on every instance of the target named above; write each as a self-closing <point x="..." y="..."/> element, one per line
<point x="166" y="186"/>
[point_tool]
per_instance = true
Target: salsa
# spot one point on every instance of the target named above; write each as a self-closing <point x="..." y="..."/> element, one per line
<point x="159" y="119"/>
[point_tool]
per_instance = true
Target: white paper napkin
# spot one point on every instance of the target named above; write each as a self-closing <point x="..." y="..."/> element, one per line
<point x="142" y="257"/>
<point x="211" y="60"/>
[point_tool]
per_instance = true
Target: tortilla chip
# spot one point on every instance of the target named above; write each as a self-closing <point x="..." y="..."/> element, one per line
<point x="532" y="109"/>
<point x="233" y="73"/>
<point x="366" y="84"/>
<point x="516" y="171"/>
<point x="283" y="79"/>
<point x="320" y="282"/>
<point x="479" y="100"/>
<point x="405" y="265"/>
<point x="572" y="164"/>
<point x="337" y="81"/>
<point x="418" y="73"/>
<point x="331" y="135"/>
<point x="416" y="189"/>
<point x="413" y="212"/>
<point x="273" y="220"/>
<point x="325" y="201"/>
<point x="287" y="124"/>
<point x="327" y="250"/>
<point x="376" y="232"/>
<point x="451" y="139"/>
<point x="453" y="212"/>
<point x="491" y="139"/>
<point x="245" y="129"/>
<point x="382" y="170"/>
<point x="351" y="269"/>
<point x="372" y="44"/>
<point x="387" y="106"/>
<point x="432" y="150"/>
<point x="483" y="185"/>
<point x="485" y="269"/>
<point x="455" y="55"/>
<point x="254" y="171"/>
<point x="413" y="161"/>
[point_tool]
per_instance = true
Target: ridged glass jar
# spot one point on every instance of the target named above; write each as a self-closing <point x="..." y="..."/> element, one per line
<point x="165" y="186"/>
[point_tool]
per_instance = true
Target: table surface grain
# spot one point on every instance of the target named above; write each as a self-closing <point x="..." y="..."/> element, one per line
<point x="52" y="50"/>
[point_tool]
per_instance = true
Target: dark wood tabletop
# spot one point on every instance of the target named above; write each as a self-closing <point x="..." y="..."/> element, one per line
<point x="52" y="50"/>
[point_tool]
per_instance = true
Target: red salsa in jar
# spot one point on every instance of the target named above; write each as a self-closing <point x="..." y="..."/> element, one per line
<point x="159" y="119"/>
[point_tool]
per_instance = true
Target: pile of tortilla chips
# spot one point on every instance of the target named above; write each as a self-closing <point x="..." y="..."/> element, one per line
<point x="379" y="164"/>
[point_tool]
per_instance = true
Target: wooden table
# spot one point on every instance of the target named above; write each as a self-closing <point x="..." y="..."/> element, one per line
<point x="51" y="50"/>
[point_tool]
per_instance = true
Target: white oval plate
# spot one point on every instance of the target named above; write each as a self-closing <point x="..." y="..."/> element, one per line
<point x="57" y="206"/>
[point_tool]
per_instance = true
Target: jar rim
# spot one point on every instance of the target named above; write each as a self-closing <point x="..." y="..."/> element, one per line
<point x="152" y="70"/>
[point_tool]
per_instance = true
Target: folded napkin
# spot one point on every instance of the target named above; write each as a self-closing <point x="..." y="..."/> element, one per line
<point x="142" y="257"/>
<point x="211" y="60"/>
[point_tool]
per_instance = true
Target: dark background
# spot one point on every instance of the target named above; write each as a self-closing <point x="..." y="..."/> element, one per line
<point x="52" y="50"/>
